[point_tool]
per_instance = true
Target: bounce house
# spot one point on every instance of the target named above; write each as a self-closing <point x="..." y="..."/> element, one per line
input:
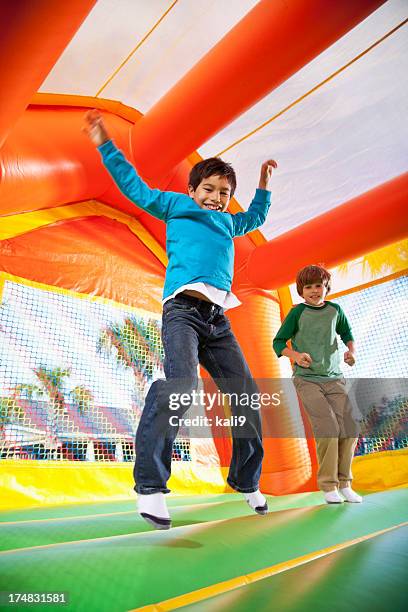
<point x="319" y="86"/>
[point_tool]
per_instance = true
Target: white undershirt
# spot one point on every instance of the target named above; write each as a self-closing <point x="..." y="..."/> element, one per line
<point x="222" y="298"/>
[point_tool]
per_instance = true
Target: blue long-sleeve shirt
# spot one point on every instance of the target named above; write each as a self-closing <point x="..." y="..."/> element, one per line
<point x="199" y="242"/>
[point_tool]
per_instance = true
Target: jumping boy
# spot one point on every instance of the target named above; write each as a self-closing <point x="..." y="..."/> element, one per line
<point x="195" y="330"/>
<point x="313" y="327"/>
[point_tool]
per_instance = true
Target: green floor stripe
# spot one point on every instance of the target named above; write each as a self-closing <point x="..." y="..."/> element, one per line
<point x="89" y="508"/>
<point x="85" y="509"/>
<point x="122" y="573"/>
<point x="42" y="532"/>
<point x="369" y="577"/>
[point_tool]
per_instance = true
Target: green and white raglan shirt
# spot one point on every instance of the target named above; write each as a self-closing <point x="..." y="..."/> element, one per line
<point x="314" y="330"/>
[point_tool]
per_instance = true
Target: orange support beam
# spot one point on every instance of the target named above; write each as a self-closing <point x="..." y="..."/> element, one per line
<point x="56" y="162"/>
<point x="272" y="42"/>
<point x="365" y="223"/>
<point x="33" y="36"/>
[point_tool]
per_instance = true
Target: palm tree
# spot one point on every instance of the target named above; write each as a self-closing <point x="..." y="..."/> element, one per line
<point x="20" y="390"/>
<point x="29" y="390"/>
<point x="6" y="404"/>
<point x="9" y="410"/>
<point x="387" y="260"/>
<point x="138" y="346"/>
<point x="52" y="383"/>
<point x="83" y="399"/>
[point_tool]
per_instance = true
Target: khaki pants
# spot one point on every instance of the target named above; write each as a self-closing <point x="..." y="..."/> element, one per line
<point x="334" y="428"/>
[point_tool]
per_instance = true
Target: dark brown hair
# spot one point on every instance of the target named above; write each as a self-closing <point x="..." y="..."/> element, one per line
<point x="213" y="166"/>
<point x="312" y="274"/>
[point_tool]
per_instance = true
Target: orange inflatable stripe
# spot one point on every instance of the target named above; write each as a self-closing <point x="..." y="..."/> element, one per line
<point x="94" y="255"/>
<point x="34" y="36"/>
<point x="56" y="162"/>
<point x="15" y="225"/>
<point x="86" y="102"/>
<point x="371" y="220"/>
<point x="212" y="94"/>
<point x="311" y="91"/>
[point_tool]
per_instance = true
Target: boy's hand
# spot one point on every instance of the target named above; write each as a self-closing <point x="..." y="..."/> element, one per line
<point x="349" y="358"/>
<point x="266" y="173"/>
<point x="95" y="128"/>
<point x="304" y="360"/>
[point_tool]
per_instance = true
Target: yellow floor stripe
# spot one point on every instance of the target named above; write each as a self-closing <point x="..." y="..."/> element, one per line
<point x="308" y="93"/>
<point x="228" y="585"/>
<point x="145" y="37"/>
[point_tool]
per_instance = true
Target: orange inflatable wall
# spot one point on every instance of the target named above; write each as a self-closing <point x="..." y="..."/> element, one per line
<point x="49" y="165"/>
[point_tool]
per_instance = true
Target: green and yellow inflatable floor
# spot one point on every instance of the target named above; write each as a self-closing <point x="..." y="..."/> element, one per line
<point x="303" y="556"/>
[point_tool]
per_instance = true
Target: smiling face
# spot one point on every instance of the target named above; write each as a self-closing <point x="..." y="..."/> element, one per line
<point x="314" y="294"/>
<point x="213" y="193"/>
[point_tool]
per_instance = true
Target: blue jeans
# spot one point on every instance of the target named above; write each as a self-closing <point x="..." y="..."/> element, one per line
<point x="196" y="331"/>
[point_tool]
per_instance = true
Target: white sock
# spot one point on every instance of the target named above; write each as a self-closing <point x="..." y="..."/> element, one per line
<point x="351" y="496"/>
<point x="332" y="497"/>
<point x="255" y="499"/>
<point x="154" y="504"/>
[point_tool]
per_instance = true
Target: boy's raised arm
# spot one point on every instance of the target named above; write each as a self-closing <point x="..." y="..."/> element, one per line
<point x="95" y="128"/>
<point x="153" y="201"/>
<point x="255" y="216"/>
<point x="266" y="173"/>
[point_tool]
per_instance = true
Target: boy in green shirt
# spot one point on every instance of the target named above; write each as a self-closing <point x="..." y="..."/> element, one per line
<point x="313" y="328"/>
